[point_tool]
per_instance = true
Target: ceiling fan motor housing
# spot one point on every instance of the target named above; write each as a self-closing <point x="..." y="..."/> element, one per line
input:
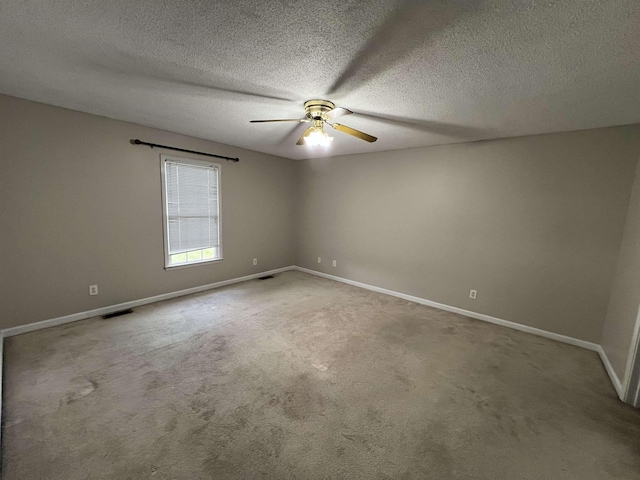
<point x="320" y="112"/>
<point x="317" y="109"/>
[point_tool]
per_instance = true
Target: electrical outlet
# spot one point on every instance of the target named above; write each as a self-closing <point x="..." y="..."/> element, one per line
<point x="255" y="261"/>
<point x="334" y="263"/>
<point x="473" y="294"/>
<point x="319" y="260"/>
<point x="93" y="289"/>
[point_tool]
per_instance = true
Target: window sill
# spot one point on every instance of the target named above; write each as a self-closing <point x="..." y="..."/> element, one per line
<point x="192" y="264"/>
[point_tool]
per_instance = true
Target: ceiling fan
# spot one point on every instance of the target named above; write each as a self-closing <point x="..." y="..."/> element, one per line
<point x="320" y="112"/>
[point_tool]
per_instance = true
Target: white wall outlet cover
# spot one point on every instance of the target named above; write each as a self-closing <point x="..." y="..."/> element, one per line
<point x="334" y="263"/>
<point x="473" y="294"/>
<point x="319" y="260"/>
<point x="93" y="289"/>
<point x="255" y="261"/>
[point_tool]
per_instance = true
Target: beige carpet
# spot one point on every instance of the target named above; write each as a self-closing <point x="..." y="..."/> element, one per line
<point x="299" y="377"/>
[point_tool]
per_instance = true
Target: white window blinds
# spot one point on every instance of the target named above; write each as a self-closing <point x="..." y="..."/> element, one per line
<point x="191" y="210"/>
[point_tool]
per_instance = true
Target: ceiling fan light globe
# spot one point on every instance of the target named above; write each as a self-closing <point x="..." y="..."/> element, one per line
<point x="318" y="138"/>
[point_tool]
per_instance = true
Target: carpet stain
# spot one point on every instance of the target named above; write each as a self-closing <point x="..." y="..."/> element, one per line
<point x="171" y="425"/>
<point x="404" y="380"/>
<point x="272" y="399"/>
<point x="154" y="380"/>
<point x="208" y="414"/>
<point x="373" y="415"/>
<point x="241" y="416"/>
<point x="359" y="440"/>
<point x="87" y="389"/>
<point x="203" y="408"/>
<point x="449" y="330"/>
<point x="302" y="400"/>
<point x="431" y="453"/>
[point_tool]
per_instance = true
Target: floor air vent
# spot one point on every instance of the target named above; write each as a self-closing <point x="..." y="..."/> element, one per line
<point x="117" y="314"/>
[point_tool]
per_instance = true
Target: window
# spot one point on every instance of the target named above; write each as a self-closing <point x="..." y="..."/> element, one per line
<point x="191" y="205"/>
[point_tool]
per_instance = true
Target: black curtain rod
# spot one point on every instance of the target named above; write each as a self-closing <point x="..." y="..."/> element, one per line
<point x="140" y="142"/>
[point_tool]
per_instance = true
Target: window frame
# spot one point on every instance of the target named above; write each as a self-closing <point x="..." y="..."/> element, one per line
<point x="165" y="227"/>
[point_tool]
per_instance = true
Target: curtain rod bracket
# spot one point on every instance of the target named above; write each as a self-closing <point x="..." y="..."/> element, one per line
<point x="140" y="142"/>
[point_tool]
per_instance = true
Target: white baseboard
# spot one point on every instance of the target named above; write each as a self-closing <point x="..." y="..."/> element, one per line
<point x="8" y="332"/>
<point x="1" y="370"/>
<point x="612" y="373"/>
<point x="52" y="322"/>
<point x="487" y="318"/>
<point x="468" y="313"/>
<point x="632" y="397"/>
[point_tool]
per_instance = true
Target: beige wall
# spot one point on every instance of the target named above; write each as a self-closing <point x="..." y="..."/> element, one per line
<point x="625" y="294"/>
<point x="533" y="223"/>
<point x="81" y="206"/>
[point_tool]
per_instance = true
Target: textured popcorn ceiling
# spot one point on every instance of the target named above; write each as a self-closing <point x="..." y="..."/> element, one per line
<point x="438" y="71"/>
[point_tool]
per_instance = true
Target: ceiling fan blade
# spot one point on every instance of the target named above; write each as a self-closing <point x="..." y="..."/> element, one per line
<point x="139" y="69"/>
<point x="306" y="133"/>
<point x="396" y="39"/>
<point x="432" y="126"/>
<point x="338" y="112"/>
<point x="299" y="120"/>
<point x="352" y="131"/>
